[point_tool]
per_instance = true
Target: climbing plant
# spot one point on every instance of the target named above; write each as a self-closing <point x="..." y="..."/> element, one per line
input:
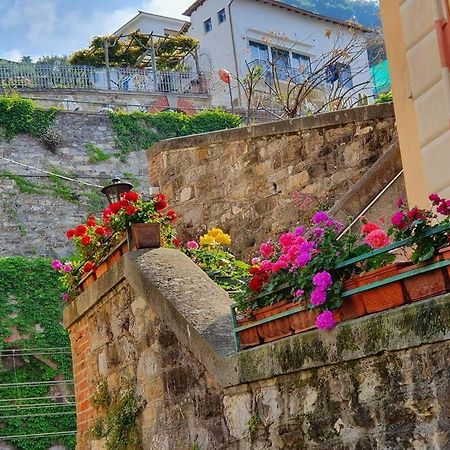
<point x="20" y="115"/>
<point x="31" y="308"/>
<point x="138" y="131"/>
<point x="118" y="410"/>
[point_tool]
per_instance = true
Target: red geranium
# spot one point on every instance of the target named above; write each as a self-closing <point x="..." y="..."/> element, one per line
<point x="130" y="210"/>
<point x="171" y="215"/>
<point x="91" y="222"/>
<point x="176" y="242"/>
<point x="100" y="231"/>
<point x="131" y="196"/>
<point x="88" y="267"/>
<point x="80" y="230"/>
<point x="85" y="240"/>
<point x="106" y="213"/>
<point x="160" y="202"/>
<point x="70" y="233"/>
<point x="255" y="284"/>
<point x="115" y="207"/>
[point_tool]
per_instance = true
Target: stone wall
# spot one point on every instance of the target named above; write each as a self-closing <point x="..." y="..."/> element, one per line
<point x="157" y="321"/>
<point x="257" y="181"/>
<point x="35" y="216"/>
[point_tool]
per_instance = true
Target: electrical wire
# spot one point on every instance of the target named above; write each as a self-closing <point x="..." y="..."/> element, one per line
<point x="38" y="415"/>
<point x="51" y="173"/>
<point x="36" y="383"/>
<point x="40" y="353"/>
<point x="26" y="436"/>
<point x="34" y="349"/>
<point x="3" y="400"/>
<point x="38" y="406"/>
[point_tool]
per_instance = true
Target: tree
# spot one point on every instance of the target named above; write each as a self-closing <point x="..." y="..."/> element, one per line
<point x="53" y="60"/>
<point x="337" y="79"/>
<point x="26" y="60"/>
<point x="135" y="50"/>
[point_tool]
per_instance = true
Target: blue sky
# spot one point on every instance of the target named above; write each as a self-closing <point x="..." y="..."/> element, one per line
<point x="45" y="27"/>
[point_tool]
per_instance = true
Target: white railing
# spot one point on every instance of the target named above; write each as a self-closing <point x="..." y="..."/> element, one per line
<point x="87" y="77"/>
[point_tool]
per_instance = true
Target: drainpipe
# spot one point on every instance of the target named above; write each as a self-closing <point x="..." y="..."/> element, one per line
<point x="234" y="49"/>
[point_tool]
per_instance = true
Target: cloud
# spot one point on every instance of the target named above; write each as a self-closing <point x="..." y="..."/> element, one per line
<point x="172" y="8"/>
<point x="13" y="55"/>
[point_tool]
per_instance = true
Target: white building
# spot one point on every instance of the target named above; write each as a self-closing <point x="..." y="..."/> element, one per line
<point x="234" y="33"/>
<point x="148" y="23"/>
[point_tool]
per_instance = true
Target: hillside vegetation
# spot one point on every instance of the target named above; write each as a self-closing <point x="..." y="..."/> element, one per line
<point x="364" y="12"/>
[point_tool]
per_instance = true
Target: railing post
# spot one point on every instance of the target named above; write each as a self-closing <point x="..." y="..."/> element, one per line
<point x="108" y="75"/>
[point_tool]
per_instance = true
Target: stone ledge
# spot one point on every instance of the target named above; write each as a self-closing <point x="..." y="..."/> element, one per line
<point x="274" y="128"/>
<point x="197" y="311"/>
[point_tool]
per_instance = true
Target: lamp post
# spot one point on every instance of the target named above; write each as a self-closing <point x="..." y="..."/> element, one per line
<point x="113" y="190"/>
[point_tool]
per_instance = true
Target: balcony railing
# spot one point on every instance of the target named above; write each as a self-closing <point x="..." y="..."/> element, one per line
<point x="87" y="77"/>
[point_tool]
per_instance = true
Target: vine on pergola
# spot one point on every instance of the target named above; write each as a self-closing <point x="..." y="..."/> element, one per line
<point x="129" y="51"/>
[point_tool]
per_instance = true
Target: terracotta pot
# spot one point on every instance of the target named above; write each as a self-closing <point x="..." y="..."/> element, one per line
<point x="383" y="297"/>
<point x="87" y="280"/>
<point x="144" y="235"/>
<point x="444" y="253"/>
<point x="101" y="269"/>
<point x="250" y="337"/>
<point x="425" y="285"/>
<point x="352" y="306"/>
<point x="113" y="257"/>
<point x="278" y="328"/>
<point x="303" y="320"/>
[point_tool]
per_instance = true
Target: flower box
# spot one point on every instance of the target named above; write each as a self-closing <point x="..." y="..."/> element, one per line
<point x="144" y="235"/>
<point x="249" y="337"/>
<point x="386" y="296"/>
<point x="303" y="320"/>
<point x="277" y="328"/>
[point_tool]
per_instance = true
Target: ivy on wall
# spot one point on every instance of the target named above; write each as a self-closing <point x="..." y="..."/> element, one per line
<point x="20" y="115"/>
<point x="30" y="301"/>
<point x="139" y="131"/>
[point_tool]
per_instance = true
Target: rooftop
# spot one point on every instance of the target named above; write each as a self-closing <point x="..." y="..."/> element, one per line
<point x="289" y="8"/>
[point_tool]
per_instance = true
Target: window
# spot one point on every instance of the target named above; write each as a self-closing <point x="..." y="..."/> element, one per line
<point x="345" y="75"/>
<point x="301" y="64"/>
<point x="280" y="59"/>
<point x="207" y="25"/>
<point x="259" y="52"/>
<point x="221" y="16"/>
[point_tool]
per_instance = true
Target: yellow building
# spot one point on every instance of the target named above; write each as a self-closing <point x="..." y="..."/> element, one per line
<point x="417" y="35"/>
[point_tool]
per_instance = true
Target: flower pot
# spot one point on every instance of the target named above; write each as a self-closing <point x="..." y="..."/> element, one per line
<point x="101" y="269"/>
<point x="87" y="280"/>
<point x="352" y="306"/>
<point x="144" y="235"/>
<point x="250" y="337"/>
<point x="383" y="297"/>
<point x="425" y="285"/>
<point x="116" y="254"/>
<point x="303" y="320"/>
<point x="444" y="253"/>
<point x="277" y="328"/>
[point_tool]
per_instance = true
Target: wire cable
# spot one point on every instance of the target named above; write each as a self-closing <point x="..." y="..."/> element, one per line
<point x="25" y="416"/>
<point x="36" y="383"/>
<point x="25" y="436"/>
<point x="38" y="406"/>
<point x="4" y="400"/>
<point x="51" y="173"/>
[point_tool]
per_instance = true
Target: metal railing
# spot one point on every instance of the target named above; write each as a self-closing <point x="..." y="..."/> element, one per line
<point x="17" y="76"/>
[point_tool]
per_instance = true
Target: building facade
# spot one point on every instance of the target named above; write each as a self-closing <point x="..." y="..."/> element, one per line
<point x="236" y="34"/>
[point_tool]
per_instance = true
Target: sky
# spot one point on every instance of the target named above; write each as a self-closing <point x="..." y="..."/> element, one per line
<point x="56" y="27"/>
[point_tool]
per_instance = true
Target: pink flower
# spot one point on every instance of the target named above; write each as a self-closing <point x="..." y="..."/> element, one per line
<point x="399" y="202"/>
<point x="318" y="296"/>
<point x="280" y="264"/>
<point x="397" y="220"/>
<point x="56" y="265"/>
<point x="322" y="280"/>
<point x="287" y="239"/>
<point x="65" y="296"/>
<point x="192" y="245"/>
<point x="299" y="293"/>
<point x="299" y="231"/>
<point x="67" y="267"/>
<point x="266" y="249"/>
<point x="435" y="198"/>
<point x="256" y="261"/>
<point x="368" y="227"/>
<point x="302" y="259"/>
<point x="266" y="265"/>
<point x="325" y="320"/>
<point x="320" y="216"/>
<point x="376" y="239"/>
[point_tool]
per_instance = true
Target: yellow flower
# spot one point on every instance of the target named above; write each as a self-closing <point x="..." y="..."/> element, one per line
<point x="206" y="240"/>
<point x="223" y="239"/>
<point x="213" y="232"/>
